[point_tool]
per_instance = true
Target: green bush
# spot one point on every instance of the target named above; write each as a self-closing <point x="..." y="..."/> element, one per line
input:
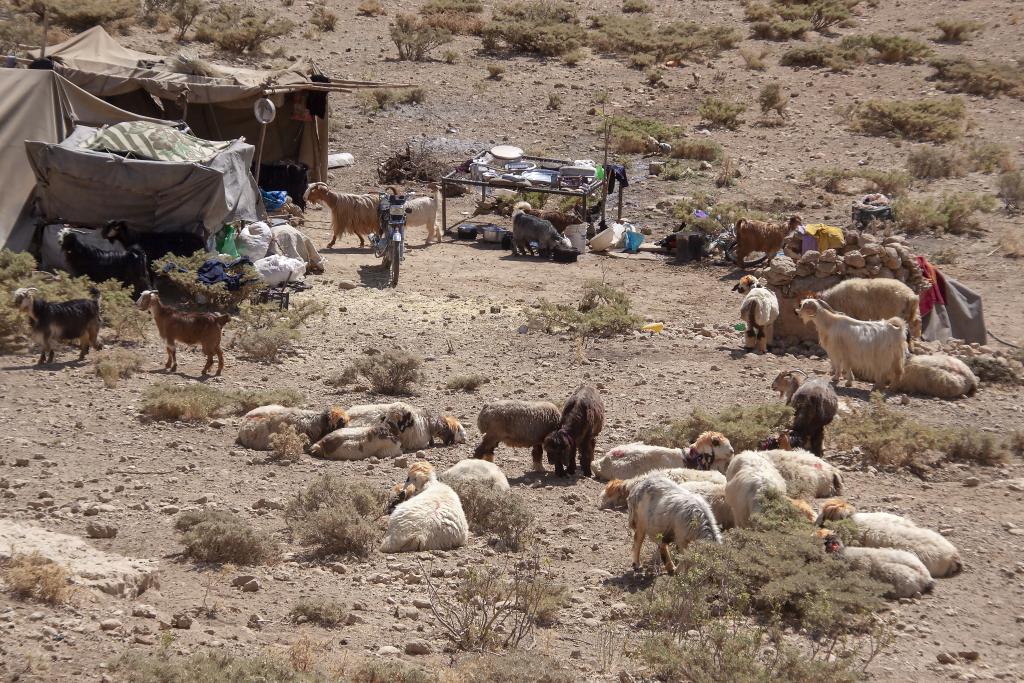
<point x="677" y="41"/>
<point x="928" y="162"/>
<point x="336" y="516"/>
<point x="989" y="157"/>
<point x="500" y="514"/>
<point x="721" y="113"/>
<point x="548" y="29"/>
<point x="263" y="331"/>
<point x="957" y="30"/>
<point x="196" y="402"/>
<point x="326" y="613"/>
<point x="771" y="98"/>
<point x="220" y="536"/>
<point x="985" y="78"/>
<point x="237" y="28"/>
<point x="467" y="383"/>
<point x="888" y="49"/>
<point x="830" y="179"/>
<point x="80" y="15"/>
<point x="116" y="364"/>
<point x="1011" y="190"/>
<point x="391" y="372"/>
<point x="919" y="120"/>
<point x="887" y="182"/>
<point x="382" y="99"/>
<point x="952" y="213"/>
<point x="603" y="311"/>
<point x="744" y="425"/>
<point x="636" y="6"/>
<point x="212" y="665"/>
<point x="416" y="38"/>
<point x="779" y="29"/>
<point x="181" y="270"/>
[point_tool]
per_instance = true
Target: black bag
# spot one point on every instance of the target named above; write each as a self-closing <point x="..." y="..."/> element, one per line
<point x="563" y="255"/>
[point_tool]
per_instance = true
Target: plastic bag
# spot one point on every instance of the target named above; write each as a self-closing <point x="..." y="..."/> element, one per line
<point x="226" y="244"/>
<point x="278" y="269"/>
<point x="254" y="241"/>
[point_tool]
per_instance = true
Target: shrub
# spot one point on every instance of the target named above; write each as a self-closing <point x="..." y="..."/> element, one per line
<point x="535" y="27"/>
<point x="828" y="179"/>
<point x="185" y="13"/>
<point x="772" y="99"/>
<point x="388" y="671"/>
<point x="237" y="28"/>
<point x="16" y="32"/>
<point x="391" y="372"/>
<point x="985" y="78"/>
<point x="326" y="613"/>
<point x="927" y="162"/>
<point x="950" y="213"/>
<point x="823" y="56"/>
<point x="636" y="6"/>
<point x="324" y="19"/>
<point x="827" y="13"/>
<point x="34" y="577"/>
<point x="675" y="41"/>
<point x="574" y="57"/>
<point x="500" y="514"/>
<point x="197" y="402"/>
<point x="467" y="383"/>
<point x="181" y="270"/>
<point x="79" y="15"/>
<point x="744" y="425"/>
<point x="370" y="8"/>
<point x="554" y="101"/>
<point x="220" y="536"/>
<point x="384" y="99"/>
<point x="263" y="331"/>
<point x="336" y="516"/>
<point x="779" y="29"/>
<point x="887" y="182"/>
<point x="957" y="30"/>
<point x="1011" y="190"/>
<point x="415" y="38"/>
<point x="919" y="120"/>
<point x="211" y="665"/>
<point x="459" y="17"/>
<point x="114" y="364"/>
<point x="990" y="157"/>
<point x="753" y="59"/>
<point x="888" y="49"/>
<point x="727" y="174"/>
<point x="603" y="311"/>
<point x="450" y="56"/>
<point x="642" y="61"/>
<point x="288" y="444"/>
<point x="536" y="668"/>
<point x="993" y="370"/>
<point x="972" y="445"/>
<point x="721" y="113"/>
<point x="654" y="76"/>
<point x="495" y="72"/>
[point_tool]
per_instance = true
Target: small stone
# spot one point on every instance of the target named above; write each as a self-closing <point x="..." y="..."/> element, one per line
<point x="144" y="611"/>
<point x="401" y="462"/>
<point x="109" y="624"/>
<point x="268" y="504"/>
<point x="418" y="647"/>
<point x="242" y="579"/>
<point x="946" y="658"/>
<point x="388" y="651"/>
<point x="421" y="603"/>
<point x="97" y="530"/>
<point x="354" y="618"/>
<point x="969" y="655"/>
<point x="251" y="587"/>
<point x="21" y="462"/>
<point x="182" y="621"/>
<point x="170" y="509"/>
<point x="255" y="622"/>
<point x="144" y="638"/>
<point x="576" y="654"/>
<point x="971" y="482"/>
<point x="217" y="424"/>
<point x="347" y="284"/>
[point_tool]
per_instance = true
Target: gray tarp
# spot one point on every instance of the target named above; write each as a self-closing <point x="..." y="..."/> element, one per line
<point x="960" y="318"/>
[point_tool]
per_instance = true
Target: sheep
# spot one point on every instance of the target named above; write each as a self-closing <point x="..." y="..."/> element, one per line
<point x="421" y="432"/>
<point x="358" y="443"/>
<point x="634" y="459"/>
<point x="519" y="424"/>
<point x="875" y="299"/>
<point x="709" y="484"/>
<point x="130" y="267"/>
<point x="885" y="530"/>
<point x="750" y="476"/>
<point x="174" y="326"/>
<point x="472" y="471"/>
<point x="801" y="469"/>
<point x="754" y="236"/>
<point x="902" y="570"/>
<point x="814" y="404"/>
<point x="582" y="420"/>
<point x="259" y="424"/>
<point x="422" y="211"/>
<point x="155" y="244"/>
<point x="293" y="243"/>
<point x="354" y="213"/>
<point x="527" y="228"/>
<point x="876" y="348"/>
<point x="759" y="310"/>
<point x="77" y="319"/>
<point x="937" y="375"/>
<point x="429" y="518"/>
<point x="665" y="512"/>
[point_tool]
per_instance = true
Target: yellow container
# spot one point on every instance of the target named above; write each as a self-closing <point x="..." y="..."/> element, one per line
<point x="653" y="328"/>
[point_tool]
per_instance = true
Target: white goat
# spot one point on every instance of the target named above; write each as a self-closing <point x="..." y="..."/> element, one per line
<point x="900" y="569"/>
<point x="634" y="459"/>
<point x="430" y="518"/>
<point x="421" y="432"/>
<point x="875" y="348"/>
<point x="759" y="310"/>
<point x="422" y="211"/>
<point x="665" y="512"/>
<point x="750" y="476"/>
<point x="479" y="472"/>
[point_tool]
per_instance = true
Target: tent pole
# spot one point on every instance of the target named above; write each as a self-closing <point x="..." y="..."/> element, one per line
<point x="604" y="200"/>
<point x="46" y="30"/>
<point x="259" y="151"/>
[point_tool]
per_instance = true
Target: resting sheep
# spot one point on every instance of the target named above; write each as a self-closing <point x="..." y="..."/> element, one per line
<point x="902" y="570"/>
<point x="430" y="518"/>
<point x="74" y="320"/>
<point x="420" y="433"/>
<point x="760" y="236"/>
<point x="475" y="472"/>
<point x="750" y="476"/>
<point x="527" y="228"/>
<point x="634" y="459"/>
<point x="665" y="512"/>
<point x="582" y="420"/>
<point x="885" y="530"/>
<point x="937" y="375"/>
<point x="352" y="213"/>
<point x="875" y="299"/>
<point x="759" y="310"/>
<point x="382" y="440"/>
<point x="875" y="348"/>
<point x="814" y="404"/>
<point x="519" y="424"/>
<point x="261" y="423"/>
<point x="803" y="470"/>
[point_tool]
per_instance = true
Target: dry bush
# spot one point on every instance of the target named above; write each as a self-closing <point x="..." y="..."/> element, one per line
<point x="830" y="179"/>
<point x="287" y="444"/>
<point x="720" y="214"/>
<point x="630" y="136"/>
<point x="326" y="613"/>
<point x="181" y="270"/>
<point x="414" y="163"/>
<point x="950" y="213"/>
<point x="753" y="58"/>
<point x="744" y="425"/>
<point x="512" y="668"/>
<point x="721" y="113"/>
<point x="823" y="56"/>
<point x="535" y="27"/>
<point x="392" y="372"/>
<point x="459" y="17"/>
<point x="636" y="7"/>
<point x="80" y="15"/>
<point x="574" y="57"/>
<point x="888" y="49"/>
<point x="212" y="665"/>
<point x="116" y="364"/>
<point x="928" y="162"/>
<point x="238" y="28"/>
<point x="957" y="31"/>
<point x="324" y="19"/>
<point x="383" y="99"/>
<point x="336" y="516"/>
<point x="919" y="120"/>
<point x="503" y="515"/>
<point x="676" y="41"/>
<point x="554" y="101"/>
<point x="15" y="271"/>
<point x="450" y="56"/>
<point x="603" y="311"/>
<point x="495" y="72"/>
<point x="185" y="13"/>
<point x="34" y="577"/>
<point x="642" y="61"/>
<point x="887" y="182"/>
<point x="945" y="257"/>
<point x="985" y="78"/>
<point x="1011" y="190"/>
<point x="727" y="173"/>
<point x="994" y="370"/>
<point x="17" y="33"/>
<point x="389" y="671"/>
<point x="264" y="331"/>
<point x="370" y="8"/>
<point x="989" y="157"/>
<point x="467" y="383"/>
<point x="415" y="38"/>
<point x="780" y="29"/>
<point x="771" y="98"/>
<point x="196" y="402"/>
<point x="212" y="535"/>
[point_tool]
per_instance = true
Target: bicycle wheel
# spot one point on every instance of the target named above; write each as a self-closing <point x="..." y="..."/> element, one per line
<point x="395" y="254"/>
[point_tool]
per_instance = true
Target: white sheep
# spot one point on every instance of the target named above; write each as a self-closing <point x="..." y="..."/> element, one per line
<point x="886" y="530"/>
<point x="665" y="512"/>
<point x="359" y="443"/>
<point x="900" y="569"/>
<point x="938" y="375"/>
<point x="430" y="518"/>
<point x="876" y="299"/>
<point x="422" y="212"/>
<point x="616" y="491"/>
<point x="259" y="424"/>
<point x="634" y="459"/>
<point x="519" y="424"/>
<point x="750" y="476"/>
<point x="804" y="470"/>
<point x="479" y="472"/>
<point x="420" y="433"/>
<point x="759" y="310"/>
<point x="875" y="348"/>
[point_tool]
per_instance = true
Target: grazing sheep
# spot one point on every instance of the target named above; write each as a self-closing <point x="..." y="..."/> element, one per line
<point x="885" y="530"/>
<point x="473" y="471"/>
<point x="714" y="494"/>
<point x="814" y="404"/>
<point x="352" y="213"/>
<point x="875" y="348"/>
<point x="421" y="432"/>
<point x="77" y="319"/>
<point x="937" y="375"/>
<point x="382" y="440"/>
<point x="519" y="424"/>
<point x="875" y="299"/>
<point x="129" y="267"/>
<point x="902" y="570"/>
<point x="155" y="244"/>
<point x="749" y="477"/>
<point x="430" y="518"/>
<point x="617" y="490"/>
<point x="175" y="326"/>
<point x="665" y="512"/>
<point x="582" y="420"/>
<point x="754" y="236"/>
<point x="759" y="310"/>
<point x="527" y="228"/>
<point x="259" y="424"/>
<point x="634" y="459"/>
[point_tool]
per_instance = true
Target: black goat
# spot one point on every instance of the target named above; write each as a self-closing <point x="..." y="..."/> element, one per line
<point x="155" y="244"/>
<point x="130" y="267"/>
<point x="78" y="319"/>
<point x="814" y="404"/>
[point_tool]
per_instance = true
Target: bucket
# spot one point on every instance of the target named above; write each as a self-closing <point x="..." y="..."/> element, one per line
<point x="577" y="235"/>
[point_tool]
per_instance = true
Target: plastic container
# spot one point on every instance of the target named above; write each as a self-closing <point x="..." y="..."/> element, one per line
<point x="607" y="238"/>
<point x="653" y="328"/>
<point x="577" y="235"/>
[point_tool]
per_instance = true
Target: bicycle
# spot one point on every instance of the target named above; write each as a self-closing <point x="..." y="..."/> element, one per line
<point x="389" y="242"/>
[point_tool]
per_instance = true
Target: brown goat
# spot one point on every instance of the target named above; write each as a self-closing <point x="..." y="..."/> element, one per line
<point x="582" y="420"/>
<point x="559" y="219"/>
<point x="189" y="328"/>
<point x="754" y="236"/>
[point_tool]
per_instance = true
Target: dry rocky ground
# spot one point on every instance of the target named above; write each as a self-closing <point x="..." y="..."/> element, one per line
<point x="75" y="452"/>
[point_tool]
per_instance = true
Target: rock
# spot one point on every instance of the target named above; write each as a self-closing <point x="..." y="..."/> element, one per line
<point x="110" y="624"/>
<point x="421" y="603"/>
<point x="810" y="257"/>
<point x="21" y="462"/>
<point x="946" y="658"/>
<point x="969" y="655"/>
<point x="704" y="166"/>
<point x="854" y="259"/>
<point x="347" y="284"/>
<point x="971" y="482"/>
<point x="829" y="255"/>
<point x="97" y="530"/>
<point x="170" y="509"/>
<point x="354" y="618"/>
<point x="255" y="622"/>
<point x="576" y="654"/>
<point x="144" y="611"/>
<point x="418" y="647"/>
<point x="401" y="462"/>
<point x="242" y="579"/>
<point x="656" y="168"/>
<point x="182" y="621"/>
<point x="144" y="638"/>
<point x="619" y="610"/>
<point x="388" y="651"/>
<point x="269" y="504"/>
<point x="251" y="587"/>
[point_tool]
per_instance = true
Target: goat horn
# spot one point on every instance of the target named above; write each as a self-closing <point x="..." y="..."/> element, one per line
<point x="800" y="371"/>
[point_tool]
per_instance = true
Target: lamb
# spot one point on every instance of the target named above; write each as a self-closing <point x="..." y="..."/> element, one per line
<point x="204" y="329"/>
<point x="814" y="404"/>
<point x="902" y="570"/>
<point x="869" y="348"/>
<point x="527" y="228"/>
<point x="665" y="512"/>
<point x="353" y="213"/>
<point x="420" y="433"/>
<point x="430" y="518"/>
<point x="155" y="244"/>
<point x="582" y="420"/>
<point x="759" y="310"/>
<point x="478" y="472"/>
<point x="885" y="530"/>
<point x="634" y="459"/>
<point x="754" y="236"/>
<point x="519" y="424"/>
<point x="261" y="423"/>
<point x="77" y="319"/>
<point x="383" y="440"/>
<point x="130" y="267"/>
<point x="617" y="490"/>
<point x="422" y="211"/>
<point x="937" y="375"/>
<point x="875" y="299"/>
<point x="750" y="476"/>
<point x="559" y="219"/>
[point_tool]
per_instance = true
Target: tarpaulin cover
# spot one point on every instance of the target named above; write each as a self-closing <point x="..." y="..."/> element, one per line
<point x="153" y="141"/>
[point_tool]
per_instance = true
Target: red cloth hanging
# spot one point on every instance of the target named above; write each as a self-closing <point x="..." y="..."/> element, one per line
<point x="934" y="294"/>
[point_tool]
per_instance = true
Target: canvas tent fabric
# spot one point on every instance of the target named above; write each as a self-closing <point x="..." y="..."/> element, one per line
<point x="153" y="141"/>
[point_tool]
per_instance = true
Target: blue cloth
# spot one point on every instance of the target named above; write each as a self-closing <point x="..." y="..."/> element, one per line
<point x="215" y="270"/>
<point x="274" y="199"/>
<point x="616" y="172"/>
